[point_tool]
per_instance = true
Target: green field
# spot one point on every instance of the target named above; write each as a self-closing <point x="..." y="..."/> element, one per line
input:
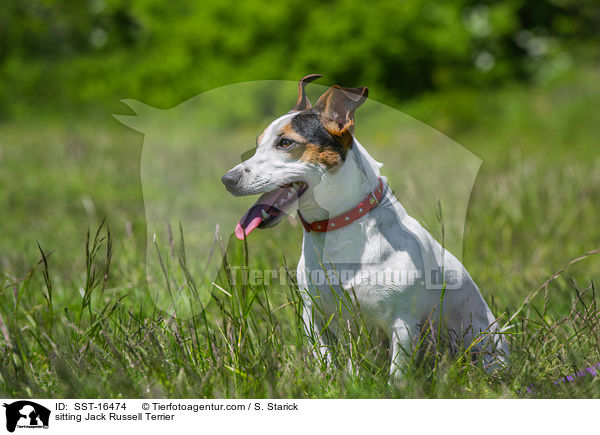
<point x="76" y="319"/>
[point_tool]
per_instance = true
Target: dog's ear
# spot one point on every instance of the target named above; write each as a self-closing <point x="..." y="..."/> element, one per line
<point x="337" y="106"/>
<point x="303" y="103"/>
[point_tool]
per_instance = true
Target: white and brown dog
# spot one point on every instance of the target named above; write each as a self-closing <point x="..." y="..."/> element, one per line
<point x="357" y="235"/>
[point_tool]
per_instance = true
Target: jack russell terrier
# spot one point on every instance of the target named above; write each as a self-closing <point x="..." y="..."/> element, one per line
<point x="357" y="234"/>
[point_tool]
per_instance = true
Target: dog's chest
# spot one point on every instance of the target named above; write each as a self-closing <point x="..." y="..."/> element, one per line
<point x="356" y="268"/>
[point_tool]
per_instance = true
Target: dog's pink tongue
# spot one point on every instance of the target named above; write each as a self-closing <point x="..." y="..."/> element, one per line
<point x="251" y="220"/>
<point x="254" y="216"/>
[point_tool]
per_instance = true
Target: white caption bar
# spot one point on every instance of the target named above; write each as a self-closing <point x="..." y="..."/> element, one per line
<point x="249" y="416"/>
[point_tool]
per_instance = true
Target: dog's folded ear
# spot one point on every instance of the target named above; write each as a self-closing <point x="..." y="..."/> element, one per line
<point x="303" y="103"/>
<point x="337" y="106"/>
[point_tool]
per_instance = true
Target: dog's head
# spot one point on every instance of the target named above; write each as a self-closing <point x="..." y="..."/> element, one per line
<point x="293" y="154"/>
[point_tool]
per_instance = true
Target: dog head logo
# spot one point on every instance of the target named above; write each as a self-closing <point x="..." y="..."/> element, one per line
<point x="187" y="149"/>
<point x="26" y="414"/>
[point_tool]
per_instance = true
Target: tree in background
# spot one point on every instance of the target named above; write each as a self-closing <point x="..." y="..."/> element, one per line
<point x="71" y="52"/>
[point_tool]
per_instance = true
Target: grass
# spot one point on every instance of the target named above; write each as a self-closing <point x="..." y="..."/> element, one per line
<point x="77" y="318"/>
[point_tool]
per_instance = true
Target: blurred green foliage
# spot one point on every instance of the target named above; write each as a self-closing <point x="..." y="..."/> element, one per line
<point x="76" y="53"/>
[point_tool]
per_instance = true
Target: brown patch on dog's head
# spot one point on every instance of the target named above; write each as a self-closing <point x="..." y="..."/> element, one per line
<point x="289" y="132"/>
<point x="260" y="137"/>
<point x="323" y="134"/>
<point x="328" y="157"/>
<point x="312" y="142"/>
<point x="336" y="109"/>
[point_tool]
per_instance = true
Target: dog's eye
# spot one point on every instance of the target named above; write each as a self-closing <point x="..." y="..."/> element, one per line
<point x="285" y="143"/>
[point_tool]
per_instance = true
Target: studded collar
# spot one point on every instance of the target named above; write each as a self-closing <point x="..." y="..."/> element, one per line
<point x="345" y="219"/>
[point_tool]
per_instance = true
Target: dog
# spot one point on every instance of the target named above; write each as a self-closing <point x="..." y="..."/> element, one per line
<point x="309" y="160"/>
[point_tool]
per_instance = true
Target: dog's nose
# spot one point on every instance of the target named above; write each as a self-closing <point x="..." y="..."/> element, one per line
<point x="231" y="178"/>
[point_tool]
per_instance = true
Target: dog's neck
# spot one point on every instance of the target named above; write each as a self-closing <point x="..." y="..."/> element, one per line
<point x="343" y="189"/>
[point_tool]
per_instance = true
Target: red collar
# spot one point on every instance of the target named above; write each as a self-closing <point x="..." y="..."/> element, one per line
<point x="366" y="205"/>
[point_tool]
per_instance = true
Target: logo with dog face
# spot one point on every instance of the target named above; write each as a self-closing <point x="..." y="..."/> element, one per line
<point x="193" y="225"/>
<point x="25" y="414"/>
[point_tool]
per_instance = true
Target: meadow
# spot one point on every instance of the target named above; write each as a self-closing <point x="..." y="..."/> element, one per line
<point x="77" y="319"/>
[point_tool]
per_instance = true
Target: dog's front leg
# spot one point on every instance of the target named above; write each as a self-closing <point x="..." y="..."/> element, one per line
<point x="401" y="346"/>
<point x="313" y="319"/>
<point x="313" y="329"/>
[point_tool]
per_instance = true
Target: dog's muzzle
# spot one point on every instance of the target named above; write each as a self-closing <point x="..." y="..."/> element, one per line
<point x="232" y="179"/>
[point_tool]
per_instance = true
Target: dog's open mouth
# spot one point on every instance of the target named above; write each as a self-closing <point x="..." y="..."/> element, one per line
<point x="269" y="208"/>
